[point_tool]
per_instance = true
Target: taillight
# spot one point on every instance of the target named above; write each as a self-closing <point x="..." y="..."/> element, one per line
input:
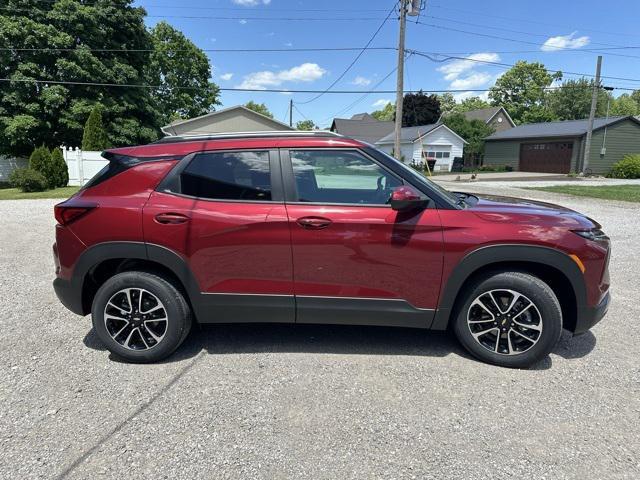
<point x="65" y="214"/>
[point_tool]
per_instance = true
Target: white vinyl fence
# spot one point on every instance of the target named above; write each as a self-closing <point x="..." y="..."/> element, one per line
<point x="83" y="165"/>
<point x="9" y="164"/>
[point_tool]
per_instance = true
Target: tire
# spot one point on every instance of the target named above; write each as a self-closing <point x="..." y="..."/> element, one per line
<point x="144" y="302"/>
<point x="529" y="326"/>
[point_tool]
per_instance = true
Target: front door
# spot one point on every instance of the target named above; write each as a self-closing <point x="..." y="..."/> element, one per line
<point x="355" y="259"/>
<point x="224" y="213"/>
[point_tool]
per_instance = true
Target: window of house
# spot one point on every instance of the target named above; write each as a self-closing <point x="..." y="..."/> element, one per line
<point x="228" y="176"/>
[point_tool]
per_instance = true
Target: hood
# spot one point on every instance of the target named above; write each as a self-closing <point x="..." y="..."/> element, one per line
<point x="519" y="210"/>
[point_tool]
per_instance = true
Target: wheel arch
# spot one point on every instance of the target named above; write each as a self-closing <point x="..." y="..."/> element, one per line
<point x="552" y="266"/>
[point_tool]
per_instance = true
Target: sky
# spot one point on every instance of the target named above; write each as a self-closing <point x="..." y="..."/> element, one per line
<point x="565" y="35"/>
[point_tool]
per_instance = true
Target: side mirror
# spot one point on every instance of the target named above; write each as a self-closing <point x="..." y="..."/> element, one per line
<point x="406" y="198"/>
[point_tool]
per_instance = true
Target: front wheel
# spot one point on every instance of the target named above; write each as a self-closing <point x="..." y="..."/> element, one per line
<point x="140" y="317"/>
<point x="511" y="319"/>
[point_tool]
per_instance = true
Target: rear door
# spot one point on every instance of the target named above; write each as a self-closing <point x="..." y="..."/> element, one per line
<point x="223" y="212"/>
<point x="355" y="259"/>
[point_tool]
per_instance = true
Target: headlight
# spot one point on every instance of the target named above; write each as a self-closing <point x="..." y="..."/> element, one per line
<point x="594" y="234"/>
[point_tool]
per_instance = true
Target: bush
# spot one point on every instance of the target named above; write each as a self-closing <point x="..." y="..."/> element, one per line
<point x="94" y="137"/>
<point x="28" y="180"/>
<point x="59" y="171"/>
<point x="40" y="160"/>
<point x="628" y="167"/>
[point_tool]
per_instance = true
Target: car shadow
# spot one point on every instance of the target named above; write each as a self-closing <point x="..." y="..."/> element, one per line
<point x="336" y="339"/>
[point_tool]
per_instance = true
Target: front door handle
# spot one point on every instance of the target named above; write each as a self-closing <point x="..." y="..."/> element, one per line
<point x="314" y="223"/>
<point x="171" y="218"/>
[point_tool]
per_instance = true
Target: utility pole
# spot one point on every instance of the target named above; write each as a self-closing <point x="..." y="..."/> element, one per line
<point x="291" y="113"/>
<point x="400" y="79"/>
<point x="592" y="114"/>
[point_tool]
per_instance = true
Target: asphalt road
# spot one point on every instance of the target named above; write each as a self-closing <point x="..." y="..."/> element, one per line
<point x="264" y="402"/>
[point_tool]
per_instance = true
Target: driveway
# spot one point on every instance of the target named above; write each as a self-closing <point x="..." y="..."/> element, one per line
<point x="265" y="402"/>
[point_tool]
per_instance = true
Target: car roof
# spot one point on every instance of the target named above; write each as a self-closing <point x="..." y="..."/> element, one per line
<point x="180" y="146"/>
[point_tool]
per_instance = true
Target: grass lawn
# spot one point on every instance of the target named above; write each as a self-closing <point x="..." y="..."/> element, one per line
<point x="627" y="193"/>
<point x="16" y="194"/>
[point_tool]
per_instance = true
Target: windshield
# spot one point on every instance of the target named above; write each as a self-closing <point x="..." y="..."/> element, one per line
<point x="421" y="178"/>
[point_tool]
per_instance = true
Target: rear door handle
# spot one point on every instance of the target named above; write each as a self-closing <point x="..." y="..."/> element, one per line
<point x="314" y="223"/>
<point x="171" y="218"/>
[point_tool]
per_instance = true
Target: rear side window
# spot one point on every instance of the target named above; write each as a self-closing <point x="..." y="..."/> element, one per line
<point x="228" y="176"/>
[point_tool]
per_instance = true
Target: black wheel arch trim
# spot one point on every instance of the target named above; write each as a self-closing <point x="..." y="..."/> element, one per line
<point x="494" y="254"/>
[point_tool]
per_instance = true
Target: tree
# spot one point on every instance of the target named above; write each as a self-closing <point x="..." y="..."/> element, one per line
<point x="174" y="64"/>
<point x="473" y="131"/>
<point x="447" y="102"/>
<point x="94" y="35"/>
<point x="572" y="100"/>
<point x="59" y="170"/>
<point x="259" y="107"/>
<point x="471" y="103"/>
<point x="624" y="105"/>
<point x="387" y="113"/>
<point x="94" y="137"/>
<point x="40" y="161"/>
<point x="306" y="125"/>
<point x="420" y="109"/>
<point x="521" y="91"/>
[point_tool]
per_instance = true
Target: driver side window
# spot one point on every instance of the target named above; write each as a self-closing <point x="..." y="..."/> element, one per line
<point x="340" y="176"/>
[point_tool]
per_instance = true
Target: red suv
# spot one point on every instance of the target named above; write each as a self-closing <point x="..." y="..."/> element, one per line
<point x="299" y="227"/>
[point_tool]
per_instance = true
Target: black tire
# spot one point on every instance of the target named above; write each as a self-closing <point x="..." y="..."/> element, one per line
<point x="178" y="315"/>
<point x="548" y="315"/>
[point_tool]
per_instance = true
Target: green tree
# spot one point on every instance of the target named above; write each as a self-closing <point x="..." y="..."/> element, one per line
<point x="40" y="161"/>
<point x="473" y="131"/>
<point x="420" y="109"/>
<point x="174" y="64"/>
<point x="59" y="170"/>
<point x="572" y="100"/>
<point x="624" y="105"/>
<point x="259" y="107"/>
<point x="306" y="125"/>
<point x="521" y="91"/>
<point x="471" y="103"/>
<point x="94" y="136"/>
<point x="95" y="33"/>
<point x="388" y="112"/>
<point x="447" y="102"/>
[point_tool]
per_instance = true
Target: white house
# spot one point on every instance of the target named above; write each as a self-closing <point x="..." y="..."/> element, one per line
<point x="426" y="143"/>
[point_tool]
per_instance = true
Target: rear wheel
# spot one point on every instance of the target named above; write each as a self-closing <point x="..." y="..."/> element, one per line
<point x="511" y="319"/>
<point x="140" y="317"/>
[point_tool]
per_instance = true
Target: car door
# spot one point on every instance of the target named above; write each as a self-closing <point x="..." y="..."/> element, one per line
<point x="223" y="212"/>
<point x="355" y="259"/>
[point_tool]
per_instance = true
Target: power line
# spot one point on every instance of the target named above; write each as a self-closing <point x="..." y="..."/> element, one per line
<point x="81" y="48"/>
<point x="364" y="49"/>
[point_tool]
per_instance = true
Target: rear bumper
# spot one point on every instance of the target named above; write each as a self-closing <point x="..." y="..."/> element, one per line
<point x="68" y="295"/>
<point x="589" y="316"/>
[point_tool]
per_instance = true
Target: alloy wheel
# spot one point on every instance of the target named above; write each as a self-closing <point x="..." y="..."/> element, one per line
<point x="504" y="321"/>
<point x="136" y="319"/>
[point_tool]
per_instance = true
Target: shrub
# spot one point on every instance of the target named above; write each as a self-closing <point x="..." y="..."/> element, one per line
<point x="28" y="180"/>
<point x="94" y="137"/>
<point x="40" y="161"/>
<point x="628" y="167"/>
<point x="59" y="171"/>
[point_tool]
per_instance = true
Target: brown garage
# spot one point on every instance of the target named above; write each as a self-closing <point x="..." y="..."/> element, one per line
<point x="551" y="157"/>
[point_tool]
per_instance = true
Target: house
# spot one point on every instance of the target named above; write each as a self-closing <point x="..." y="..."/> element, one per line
<point x="232" y="119"/>
<point x="496" y="117"/>
<point x="362" y="126"/>
<point x="436" y="143"/>
<point x="558" y="147"/>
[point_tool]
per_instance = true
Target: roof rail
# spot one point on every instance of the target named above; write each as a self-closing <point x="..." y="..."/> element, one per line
<point x="231" y="135"/>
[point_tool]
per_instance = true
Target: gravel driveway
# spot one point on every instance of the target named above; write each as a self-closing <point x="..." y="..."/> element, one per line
<point x="263" y="402"/>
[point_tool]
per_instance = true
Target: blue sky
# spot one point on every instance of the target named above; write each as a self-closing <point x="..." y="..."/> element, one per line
<point x="561" y="34"/>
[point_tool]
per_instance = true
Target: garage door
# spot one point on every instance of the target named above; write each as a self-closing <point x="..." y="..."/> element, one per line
<point x="550" y="157"/>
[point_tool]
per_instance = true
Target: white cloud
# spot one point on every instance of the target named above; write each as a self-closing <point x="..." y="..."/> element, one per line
<point x="251" y="3"/>
<point x="564" y="42"/>
<point x="306" y="72"/>
<point x="288" y="44"/>
<point x="474" y="80"/>
<point x="459" y="96"/>
<point x="242" y="22"/>
<point x="361" y="81"/>
<point x="454" y="69"/>
<point x="226" y="76"/>
<point x="381" y="103"/>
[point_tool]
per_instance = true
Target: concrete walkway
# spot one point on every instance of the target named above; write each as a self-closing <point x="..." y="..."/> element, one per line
<point x="500" y="176"/>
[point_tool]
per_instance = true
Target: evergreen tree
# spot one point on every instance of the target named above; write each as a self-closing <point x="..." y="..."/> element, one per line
<point x="40" y="161"/>
<point x="59" y="170"/>
<point x="94" y="137"/>
<point x="420" y="109"/>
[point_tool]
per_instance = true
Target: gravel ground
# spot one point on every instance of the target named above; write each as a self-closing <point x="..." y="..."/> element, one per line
<point x="265" y="402"/>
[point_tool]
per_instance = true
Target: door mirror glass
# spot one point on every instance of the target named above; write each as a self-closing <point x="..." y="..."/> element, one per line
<point x="405" y="198"/>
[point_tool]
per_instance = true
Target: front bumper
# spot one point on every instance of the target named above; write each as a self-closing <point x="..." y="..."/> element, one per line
<point x="589" y="316"/>
<point x="69" y="295"/>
